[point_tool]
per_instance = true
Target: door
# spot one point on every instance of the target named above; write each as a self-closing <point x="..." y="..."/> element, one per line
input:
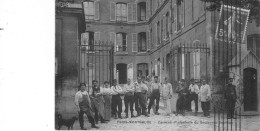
<point x="122" y="73"/>
<point x="250" y="89"/>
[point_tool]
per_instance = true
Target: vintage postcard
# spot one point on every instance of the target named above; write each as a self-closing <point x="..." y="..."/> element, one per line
<point x="189" y="65"/>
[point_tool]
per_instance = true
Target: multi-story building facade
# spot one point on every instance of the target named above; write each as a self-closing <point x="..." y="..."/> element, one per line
<point x="144" y="31"/>
<point x="166" y="38"/>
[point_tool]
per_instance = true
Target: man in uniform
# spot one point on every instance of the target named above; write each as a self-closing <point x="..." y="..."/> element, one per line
<point x="230" y="96"/>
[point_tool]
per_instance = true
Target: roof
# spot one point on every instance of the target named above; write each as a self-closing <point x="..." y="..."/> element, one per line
<point x="235" y="61"/>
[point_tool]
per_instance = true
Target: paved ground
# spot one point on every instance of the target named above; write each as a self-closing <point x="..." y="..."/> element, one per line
<point x="189" y="122"/>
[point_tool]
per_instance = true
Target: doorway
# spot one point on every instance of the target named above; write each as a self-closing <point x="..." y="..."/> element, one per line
<point x="250" y="89"/>
<point x="122" y="73"/>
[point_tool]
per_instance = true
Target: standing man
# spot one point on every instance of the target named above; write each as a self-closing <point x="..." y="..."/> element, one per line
<point x="98" y="101"/>
<point x="155" y="95"/>
<point x="180" y="104"/>
<point x="140" y="89"/>
<point x="194" y="91"/>
<point x="83" y="103"/>
<point x="167" y="95"/>
<point x="116" y="100"/>
<point x="149" y="93"/>
<point x="204" y="97"/>
<point x="129" y="97"/>
<point x="230" y="96"/>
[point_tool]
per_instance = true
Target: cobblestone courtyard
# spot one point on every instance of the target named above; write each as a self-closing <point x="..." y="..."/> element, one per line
<point x="189" y="122"/>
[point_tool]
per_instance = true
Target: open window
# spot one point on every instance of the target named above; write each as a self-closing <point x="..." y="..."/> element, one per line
<point x="87" y="40"/>
<point x="142" y="70"/>
<point x="142" y="45"/>
<point x="180" y="14"/>
<point x="141" y="11"/>
<point x="158" y="33"/>
<point x="167" y="25"/>
<point x="120" y="42"/>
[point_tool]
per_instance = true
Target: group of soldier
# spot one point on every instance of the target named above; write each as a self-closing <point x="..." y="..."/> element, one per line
<point x="103" y="102"/>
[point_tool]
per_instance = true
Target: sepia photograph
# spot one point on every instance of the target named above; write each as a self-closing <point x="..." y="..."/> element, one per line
<point x="177" y="65"/>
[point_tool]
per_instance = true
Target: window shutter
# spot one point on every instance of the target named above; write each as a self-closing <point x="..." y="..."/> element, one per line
<point x="148" y="41"/>
<point x="196" y="9"/>
<point x="112" y="11"/>
<point x="198" y="64"/>
<point x="147" y="9"/>
<point x="113" y="39"/>
<point x="134" y="42"/>
<point x="134" y="12"/>
<point x="175" y="18"/>
<point x="85" y="8"/>
<point x="126" y="43"/>
<point x="96" y="7"/>
<point x="129" y="12"/>
<point x="183" y="13"/>
<point x="97" y="37"/>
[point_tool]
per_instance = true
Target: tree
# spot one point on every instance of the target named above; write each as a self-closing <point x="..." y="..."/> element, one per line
<point x="252" y="5"/>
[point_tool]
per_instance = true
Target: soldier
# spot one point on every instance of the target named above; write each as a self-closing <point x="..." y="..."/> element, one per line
<point x="230" y="96"/>
<point x="140" y="89"/>
<point x="156" y="87"/>
<point x="180" y="105"/>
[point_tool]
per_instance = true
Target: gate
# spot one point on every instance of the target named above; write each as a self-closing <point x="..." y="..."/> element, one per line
<point x="229" y="25"/>
<point x="187" y="60"/>
<point x="96" y="62"/>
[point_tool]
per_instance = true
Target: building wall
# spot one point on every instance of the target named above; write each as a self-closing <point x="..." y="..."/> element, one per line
<point x="194" y="29"/>
<point x="105" y="26"/>
<point x="67" y="62"/>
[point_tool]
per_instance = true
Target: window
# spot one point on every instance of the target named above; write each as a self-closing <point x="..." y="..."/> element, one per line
<point x="87" y="38"/>
<point x="151" y="37"/>
<point x="196" y="65"/>
<point x="151" y="7"/>
<point x="253" y="43"/>
<point x="142" y="42"/>
<point x="167" y="25"/>
<point x="161" y="29"/>
<point x="141" y="11"/>
<point x="121" y="42"/>
<point x="192" y="9"/>
<point x="142" y="70"/>
<point x="158" y="33"/>
<point x="89" y="10"/>
<point x="180" y="14"/>
<point x="163" y="64"/>
<point x="121" y="12"/>
<point x="182" y="66"/>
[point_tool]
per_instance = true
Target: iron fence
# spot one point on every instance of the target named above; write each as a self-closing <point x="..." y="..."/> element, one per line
<point x="96" y="62"/>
